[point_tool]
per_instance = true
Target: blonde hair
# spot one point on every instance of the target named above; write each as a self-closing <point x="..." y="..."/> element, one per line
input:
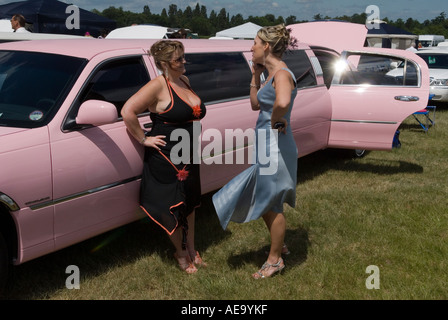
<point x="163" y="50"/>
<point x="278" y="38"/>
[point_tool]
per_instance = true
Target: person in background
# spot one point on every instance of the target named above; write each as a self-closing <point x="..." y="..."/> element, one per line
<point x="257" y="192"/>
<point x="412" y="47"/>
<point x="18" y="23"/>
<point x="170" y="188"/>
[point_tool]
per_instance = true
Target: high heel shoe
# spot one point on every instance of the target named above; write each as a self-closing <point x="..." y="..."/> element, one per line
<point x="278" y="269"/>
<point x="198" y="260"/>
<point x="185" y="264"/>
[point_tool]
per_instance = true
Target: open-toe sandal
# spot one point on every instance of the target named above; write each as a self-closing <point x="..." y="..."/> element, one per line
<point x="185" y="264"/>
<point x="278" y="268"/>
<point x="198" y="260"/>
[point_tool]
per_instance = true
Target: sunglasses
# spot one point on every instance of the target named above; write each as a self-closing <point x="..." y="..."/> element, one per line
<point x="179" y="60"/>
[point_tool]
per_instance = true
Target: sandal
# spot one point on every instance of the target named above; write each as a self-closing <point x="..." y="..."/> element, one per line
<point x="266" y="265"/>
<point x="198" y="260"/>
<point x="185" y="264"/>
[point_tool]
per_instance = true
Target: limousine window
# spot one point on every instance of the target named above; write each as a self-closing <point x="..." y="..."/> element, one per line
<point x="218" y="76"/>
<point x="378" y="70"/>
<point x="327" y="60"/>
<point x="299" y="63"/>
<point x="117" y="81"/>
<point x="33" y="86"/>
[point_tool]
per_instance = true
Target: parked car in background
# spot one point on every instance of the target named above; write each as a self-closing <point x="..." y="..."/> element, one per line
<point x="430" y="40"/>
<point x="437" y="61"/>
<point x="69" y="170"/>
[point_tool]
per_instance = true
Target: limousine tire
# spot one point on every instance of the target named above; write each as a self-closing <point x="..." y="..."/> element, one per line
<point x="352" y="153"/>
<point x="359" y="153"/>
<point x="4" y="265"/>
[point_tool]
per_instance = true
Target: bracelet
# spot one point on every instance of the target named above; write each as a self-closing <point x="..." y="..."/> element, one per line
<point x="143" y="140"/>
<point x="254" y="86"/>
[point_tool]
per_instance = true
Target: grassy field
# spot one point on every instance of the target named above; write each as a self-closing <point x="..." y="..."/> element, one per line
<point x="388" y="209"/>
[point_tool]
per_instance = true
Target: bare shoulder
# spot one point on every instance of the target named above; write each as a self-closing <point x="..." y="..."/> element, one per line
<point x="154" y="86"/>
<point x="282" y="78"/>
<point x="158" y="82"/>
<point x="185" y="78"/>
<point x="283" y="74"/>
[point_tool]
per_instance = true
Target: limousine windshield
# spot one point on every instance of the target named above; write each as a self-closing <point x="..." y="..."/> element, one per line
<point x="33" y="85"/>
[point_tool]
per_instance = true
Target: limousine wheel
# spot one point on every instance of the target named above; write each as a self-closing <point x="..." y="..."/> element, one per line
<point x="359" y="153"/>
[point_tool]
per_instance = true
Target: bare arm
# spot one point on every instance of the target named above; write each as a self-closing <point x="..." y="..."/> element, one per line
<point x="147" y="97"/>
<point x="257" y="70"/>
<point x="283" y="87"/>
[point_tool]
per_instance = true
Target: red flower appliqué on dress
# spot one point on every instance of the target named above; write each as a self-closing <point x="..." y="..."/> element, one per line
<point x="196" y="111"/>
<point x="182" y="175"/>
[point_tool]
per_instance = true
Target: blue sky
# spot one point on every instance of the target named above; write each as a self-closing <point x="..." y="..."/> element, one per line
<point x="302" y="9"/>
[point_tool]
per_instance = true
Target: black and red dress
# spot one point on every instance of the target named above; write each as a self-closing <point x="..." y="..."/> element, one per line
<point x="171" y="187"/>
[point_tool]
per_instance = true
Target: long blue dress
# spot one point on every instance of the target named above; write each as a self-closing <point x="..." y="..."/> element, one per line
<point x="271" y="180"/>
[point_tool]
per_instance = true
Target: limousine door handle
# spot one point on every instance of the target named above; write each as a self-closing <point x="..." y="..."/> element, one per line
<point x="407" y="98"/>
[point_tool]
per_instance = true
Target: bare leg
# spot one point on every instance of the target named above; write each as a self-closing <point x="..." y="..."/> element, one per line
<point x="276" y="224"/>
<point x="190" y="234"/>
<point x="182" y="256"/>
<point x="194" y="255"/>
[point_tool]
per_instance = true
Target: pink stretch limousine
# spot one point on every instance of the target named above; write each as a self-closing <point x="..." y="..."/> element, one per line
<point x="69" y="170"/>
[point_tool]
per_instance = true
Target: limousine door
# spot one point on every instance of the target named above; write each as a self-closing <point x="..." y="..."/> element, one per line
<point x="370" y="98"/>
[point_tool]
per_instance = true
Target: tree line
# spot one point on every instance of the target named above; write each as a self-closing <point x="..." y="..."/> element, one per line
<point x="205" y="25"/>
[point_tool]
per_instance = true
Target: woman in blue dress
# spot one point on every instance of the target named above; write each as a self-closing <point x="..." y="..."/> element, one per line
<point x="262" y="189"/>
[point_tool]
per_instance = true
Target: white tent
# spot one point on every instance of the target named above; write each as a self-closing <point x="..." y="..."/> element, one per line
<point x="138" y="32"/>
<point x="5" y="25"/>
<point x="245" y="31"/>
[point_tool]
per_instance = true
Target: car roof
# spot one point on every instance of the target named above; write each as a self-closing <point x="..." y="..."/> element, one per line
<point x="432" y="51"/>
<point x="89" y="47"/>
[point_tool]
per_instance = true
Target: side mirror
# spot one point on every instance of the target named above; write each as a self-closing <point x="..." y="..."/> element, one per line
<point x="97" y="112"/>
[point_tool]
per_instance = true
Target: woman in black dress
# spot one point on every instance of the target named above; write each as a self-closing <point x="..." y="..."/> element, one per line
<point x="171" y="188"/>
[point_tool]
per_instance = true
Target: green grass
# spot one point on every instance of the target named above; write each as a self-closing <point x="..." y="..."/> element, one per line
<point x="388" y="209"/>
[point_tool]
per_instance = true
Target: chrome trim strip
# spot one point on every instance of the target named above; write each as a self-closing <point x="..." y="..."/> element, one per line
<point x="364" y="121"/>
<point x="407" y="98"/>
<point x="83" y="193"/>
